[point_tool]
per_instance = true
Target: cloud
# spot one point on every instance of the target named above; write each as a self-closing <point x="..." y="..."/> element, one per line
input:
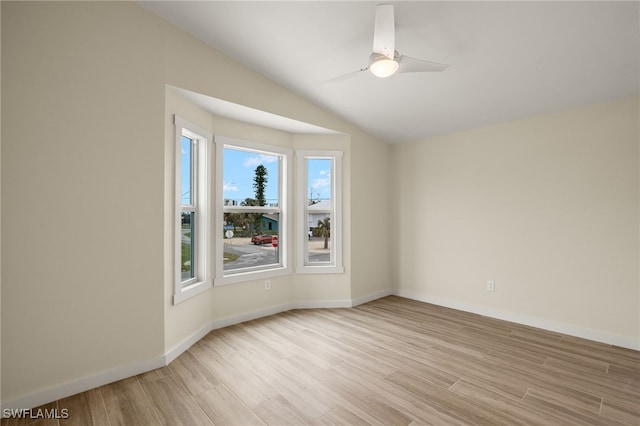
<point x="260" y="159"/>
<point x="323" y="182"/>
<point x="320" y="183"/>
<point x="229" y="186"/>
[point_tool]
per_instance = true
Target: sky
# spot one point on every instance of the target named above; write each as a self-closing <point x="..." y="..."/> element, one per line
<point x="185" y="171"/>
<point x="319" y="183"/>
<point x="239" y="170"/>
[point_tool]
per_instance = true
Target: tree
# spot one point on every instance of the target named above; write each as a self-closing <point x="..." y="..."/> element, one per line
<point x="238" y="220"/>
<point x="259" y="186"/>
<point x="260" y="183"/>
<point x="251" y="220"/>
<point x="324" y="230"/>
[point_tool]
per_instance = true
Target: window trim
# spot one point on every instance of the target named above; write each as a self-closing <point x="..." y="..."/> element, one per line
<point x="201" y="177"/>
<point x="336" y="265"/>
<point x="285" y="222"/>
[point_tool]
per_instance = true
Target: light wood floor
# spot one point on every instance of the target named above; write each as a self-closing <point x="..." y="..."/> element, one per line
<point x="389" y="362"/>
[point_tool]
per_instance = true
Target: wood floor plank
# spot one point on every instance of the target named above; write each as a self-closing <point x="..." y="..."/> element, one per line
<point x="225" y="408"/>
<point x="463" y="407"/>
<point x="517" y="356"/>
<point x="311" y="380"/>
<point x="621" y="411"/>
<point x="365" y="405"/>
<point x="341" y="416"/>
<point x="173" y="404"/>
<point x="608" y="353"/>
<point x="544" y="402"/>
<point x="278" y="410"/>
<point x="278" y="374"/>
<point x="348" y="353"/>
<point x="158" y="373"/>
<point x="353" y="379"/>
<point x="253" y="388"/>
<point x="628" y="375"/>
<point x="85" y="409"/>
<point x="509" y="406"/>
<point x="594" y="383"/>
<point x="494" y="376"/>
<point x="193" y="374"/>
<point x="576" y="400"/>
<point x="126" y="403"/>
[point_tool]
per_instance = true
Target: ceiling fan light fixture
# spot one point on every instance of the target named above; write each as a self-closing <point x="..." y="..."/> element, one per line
<point x="381" y="66"/>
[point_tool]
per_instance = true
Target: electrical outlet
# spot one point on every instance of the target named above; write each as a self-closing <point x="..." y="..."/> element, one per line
<point x="491" y="286"/>
<point x="267" y="285"/>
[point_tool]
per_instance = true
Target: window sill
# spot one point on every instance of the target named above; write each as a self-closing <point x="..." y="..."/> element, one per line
<point x="252" y="276"/>
<point x="308" y="269"/>
<point x="191" y="290"/>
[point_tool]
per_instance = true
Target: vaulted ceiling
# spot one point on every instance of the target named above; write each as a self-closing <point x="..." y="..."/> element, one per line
<point x="508" y="60"/>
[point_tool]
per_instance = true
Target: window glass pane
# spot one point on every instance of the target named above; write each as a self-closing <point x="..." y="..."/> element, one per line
<point x="319" y="180"/>
<point x="319" y="236"/>
<point x="250" y="178"/>
<point x="249" y="240"/>
<point x="319" y="186"/>
<point x="188" y="231"/>
<point x="186" y="172"/>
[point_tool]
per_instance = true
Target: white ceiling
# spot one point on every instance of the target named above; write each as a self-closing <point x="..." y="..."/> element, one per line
<point x="509" y="60"/>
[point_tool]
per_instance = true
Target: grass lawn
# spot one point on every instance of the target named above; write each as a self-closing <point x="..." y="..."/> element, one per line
<point x="230" y="257"/>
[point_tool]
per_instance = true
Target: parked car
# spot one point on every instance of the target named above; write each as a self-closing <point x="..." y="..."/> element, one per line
<point x="262" y="239"/>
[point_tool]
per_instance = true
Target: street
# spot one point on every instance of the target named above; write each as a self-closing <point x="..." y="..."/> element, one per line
<point x="258" y="255"/>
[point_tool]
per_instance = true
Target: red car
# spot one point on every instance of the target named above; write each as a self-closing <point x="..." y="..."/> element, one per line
<point x="262" y="239"/>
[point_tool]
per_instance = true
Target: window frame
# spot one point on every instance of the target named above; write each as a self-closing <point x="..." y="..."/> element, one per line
<point x="284" y="221"/>
<point x="335" y="265"/>
<point x="200" y="205"/>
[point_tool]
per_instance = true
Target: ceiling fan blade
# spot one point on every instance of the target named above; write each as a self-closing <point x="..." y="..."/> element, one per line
<point x="384" y="36"/>
<point x="409" y="64"/>
<point x="346" y="76"/>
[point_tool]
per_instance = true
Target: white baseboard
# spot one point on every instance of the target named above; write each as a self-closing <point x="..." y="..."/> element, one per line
<point x="90" y="382"/>
<point x="248" y="316"/>
<point x="58" y="392"/>
<point x="371" y="297"/>
<point x="558" y="327"/>
<point x="322" y="304"/>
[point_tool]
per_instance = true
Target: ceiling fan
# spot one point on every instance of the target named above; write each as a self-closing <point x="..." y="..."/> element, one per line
<point x="385" y="61"/>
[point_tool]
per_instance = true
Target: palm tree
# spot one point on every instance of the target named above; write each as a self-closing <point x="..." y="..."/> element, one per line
<point x="324" y="230"/>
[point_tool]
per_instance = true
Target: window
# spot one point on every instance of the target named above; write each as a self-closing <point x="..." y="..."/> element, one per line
<point x="319" y="218"/>
<point x="192" y="229"/>
<point x="251" y="221"/>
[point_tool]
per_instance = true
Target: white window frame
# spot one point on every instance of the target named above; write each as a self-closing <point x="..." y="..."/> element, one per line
<point x="335" y="265"/>
<point x="284" y="191"/>
<point x="201" y="188"/>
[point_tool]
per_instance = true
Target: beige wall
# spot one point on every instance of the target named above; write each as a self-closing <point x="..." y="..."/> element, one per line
<point x="546" y="207"/>
<point x="84" y="247"/>
<point x="82" y="173"/>
<point x="372" y="226"/>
